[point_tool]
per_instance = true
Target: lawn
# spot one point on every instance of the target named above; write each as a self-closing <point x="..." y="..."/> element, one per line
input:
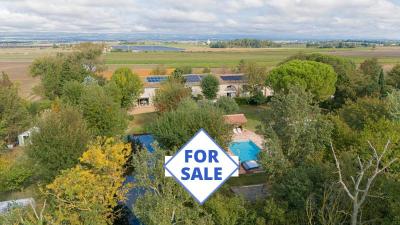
<point x="248" y="179"/>
<point x="254" y="115"/>
<point x="138" y="124"/>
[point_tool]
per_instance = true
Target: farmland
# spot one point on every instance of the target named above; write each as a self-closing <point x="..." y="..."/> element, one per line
<point x="16" y="61"/>
<point x="206" y="57"/>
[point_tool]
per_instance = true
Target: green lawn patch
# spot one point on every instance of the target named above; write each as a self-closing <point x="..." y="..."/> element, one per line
<point x="254" y="115"/>
<point x="248" y="179"/>
<point x="138" y="124"/>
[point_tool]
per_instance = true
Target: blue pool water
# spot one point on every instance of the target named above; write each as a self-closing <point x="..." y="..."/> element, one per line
<point x="246" y="150"/>
<point x="146" y="140"/>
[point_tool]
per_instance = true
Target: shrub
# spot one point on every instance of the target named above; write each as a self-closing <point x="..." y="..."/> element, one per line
<point x="228" y="105"/>
<point x="242" y="100"/>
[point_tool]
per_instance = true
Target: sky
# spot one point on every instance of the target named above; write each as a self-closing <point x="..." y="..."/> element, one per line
<point x="367" y="19"/>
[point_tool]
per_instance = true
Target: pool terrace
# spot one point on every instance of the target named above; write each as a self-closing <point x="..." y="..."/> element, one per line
<point x="246" y="136"/>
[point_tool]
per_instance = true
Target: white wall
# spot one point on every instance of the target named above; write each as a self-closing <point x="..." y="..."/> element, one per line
<point x="149" y="92"/>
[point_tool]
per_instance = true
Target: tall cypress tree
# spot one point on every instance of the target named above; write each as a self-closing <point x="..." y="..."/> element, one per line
<point x="381" y="83"/>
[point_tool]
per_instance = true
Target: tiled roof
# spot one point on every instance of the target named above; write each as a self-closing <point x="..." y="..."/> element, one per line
<point x="235" y="119"/>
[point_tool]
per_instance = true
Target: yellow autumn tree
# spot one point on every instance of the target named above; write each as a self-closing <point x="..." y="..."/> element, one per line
<point x="88" y="193"/>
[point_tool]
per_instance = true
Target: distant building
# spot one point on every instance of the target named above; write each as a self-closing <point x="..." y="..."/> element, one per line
<point x="230" y="85"/>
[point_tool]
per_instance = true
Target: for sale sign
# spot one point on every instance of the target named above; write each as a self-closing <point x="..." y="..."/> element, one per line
<point x="201" y="166"/>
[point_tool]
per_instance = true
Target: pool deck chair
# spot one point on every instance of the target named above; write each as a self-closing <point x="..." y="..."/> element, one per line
<point x="250" y="165"/>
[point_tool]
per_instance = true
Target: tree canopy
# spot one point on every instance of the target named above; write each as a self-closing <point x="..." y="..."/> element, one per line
<point x="103" y="115"/>
<point x="55" y="71"/>
<point x="129" y="85"/>
<point x="14" y="116"/>
<point x="227" y="105"/>
<point x="346" y="71"/>
<point x="255" y="76"/>
<point x="172" y="129"/>
<point x="89" y="192"/>
<point x="294" y="128"/>
<point x="210" y="86"/>
<point x="318" y="78"/>
<point x="170" y="94"/>
<point x="60" y="139"/>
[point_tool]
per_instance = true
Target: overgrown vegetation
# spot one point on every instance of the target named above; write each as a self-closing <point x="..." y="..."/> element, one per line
<point x="331" y="132"/>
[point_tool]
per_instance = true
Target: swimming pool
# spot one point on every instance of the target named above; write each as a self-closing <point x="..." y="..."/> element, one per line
<point x="146" y="139"/>
<point x="246" y="150"/>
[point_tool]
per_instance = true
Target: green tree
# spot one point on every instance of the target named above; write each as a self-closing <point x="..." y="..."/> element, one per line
<point x="172" y="129"/>
<point x="14" y="116"/>
<point x="130" y="85"/>
<point x="367" y="83"/>
<point x="15" y="172"/>
<point x="255" y="77"/>
<point x="294" y="129"/>
<point x="91" y="55"/>
<point x="227" y="105"/>
<point x="58" y="143"/>
<point x="177" y="75"/>
<point x="210" y="86"/>
<point x="113" y="90"/>
<point x="72" y="92"/>
<point x="164" y="201"/>
<point x="318" y="78"/>
<point x="346" y="71"/>
<point x="227" y="210"/>
<point x="73" y="69"/>
<point x="48" y="69"/>
<point x="103" y="115"/>
<point x="383" y="91"/>
<point x="393" y="102"/>
<point x="291" y="191"/>
<point x="356" y="114"/>
<point x="55" y="71"/>
<point x="371" y="68"/>
<point x="170" y="94"/>
<point x="394" y="76"/>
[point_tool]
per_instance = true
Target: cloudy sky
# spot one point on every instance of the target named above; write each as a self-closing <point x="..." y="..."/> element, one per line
<point x="271" y="18"/>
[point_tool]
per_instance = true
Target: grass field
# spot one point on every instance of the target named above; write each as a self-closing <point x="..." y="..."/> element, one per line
<point x="231" y="57"/>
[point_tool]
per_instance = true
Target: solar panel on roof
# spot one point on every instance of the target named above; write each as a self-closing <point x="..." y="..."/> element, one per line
<point x="156" y="79"/>
<point x="193" y="78"/>
<point x="231" y="78"/>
